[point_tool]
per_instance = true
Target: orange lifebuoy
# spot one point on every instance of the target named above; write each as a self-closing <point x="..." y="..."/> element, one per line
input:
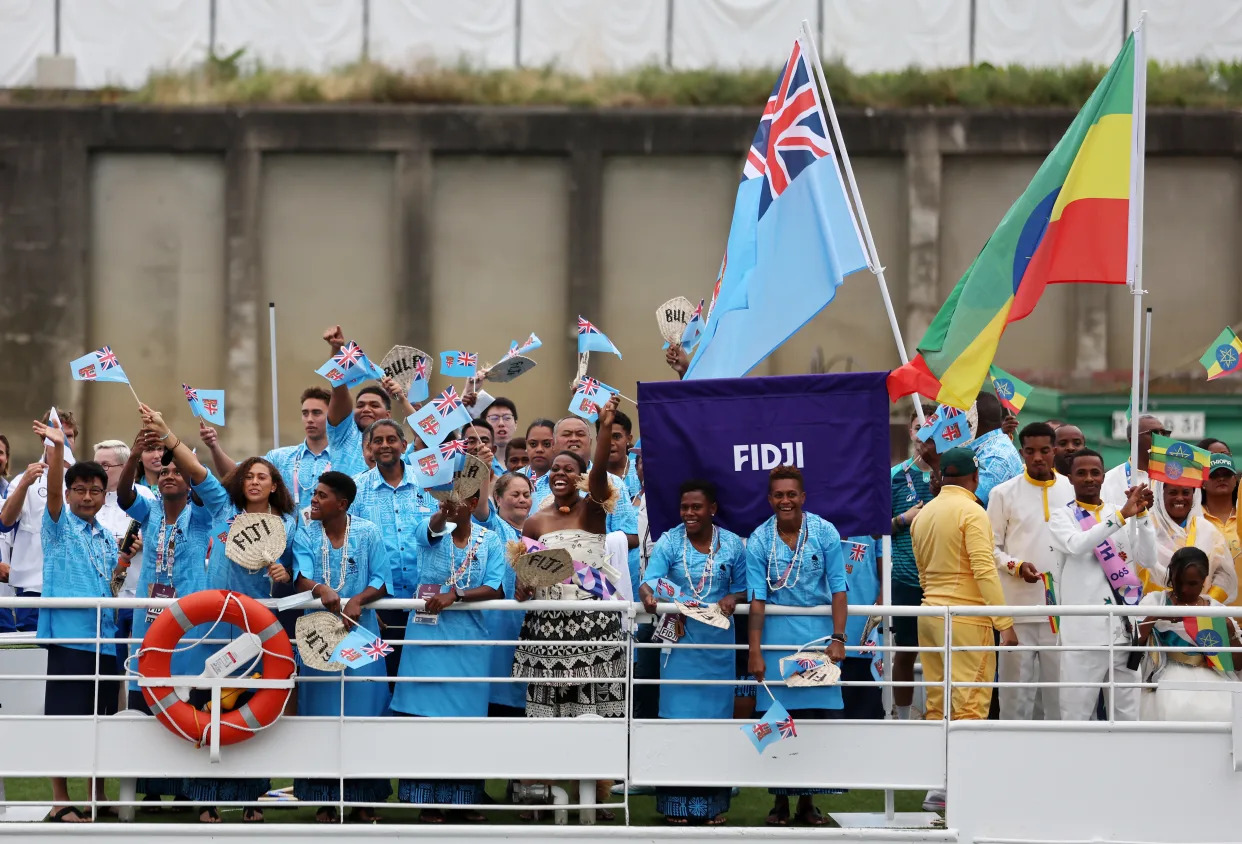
<point x="203" y="608"/>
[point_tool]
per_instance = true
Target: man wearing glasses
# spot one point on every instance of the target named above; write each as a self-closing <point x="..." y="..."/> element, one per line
<point x="502" y="415"/>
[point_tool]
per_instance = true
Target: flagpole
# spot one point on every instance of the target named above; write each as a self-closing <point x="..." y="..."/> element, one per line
<point x="873" y="259"/>
<point x="1134" y="256"/>
<point x="1146" y="360"/>
<point x="271" y="331"/>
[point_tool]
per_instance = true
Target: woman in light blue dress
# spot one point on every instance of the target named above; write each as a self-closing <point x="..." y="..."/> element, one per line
<point x="254" y="486"/>
<point x="794" y="559"/>
<point x="465" y="562"/>
<point x="342" y="560"/>
<point x="707" y="564"/>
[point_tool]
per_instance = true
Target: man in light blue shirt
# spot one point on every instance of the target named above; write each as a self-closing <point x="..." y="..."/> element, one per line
<point x="998" y="458"/>
<point x="348" y="418"/>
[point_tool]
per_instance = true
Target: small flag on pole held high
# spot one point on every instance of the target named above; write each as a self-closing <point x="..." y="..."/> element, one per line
<point x="349" y="367"/>
<point x="432" y="468"/>
<point x="99" y="365"/>
<point x="459" y="364"/>
<point x="529" y="345"/>
<point x="590" y="396"/>
<point x="591" y="339"/>
<point x="1223" y="356"/>
<point x="1178" y="463"/>
<point x="1211" y="633"/>
<point x="947" y="427"/>
<point x="207" y="405"/>
<point x="1050" y="598"/>
<point x="437" y="419"/>
<point x="1011" y="391"/>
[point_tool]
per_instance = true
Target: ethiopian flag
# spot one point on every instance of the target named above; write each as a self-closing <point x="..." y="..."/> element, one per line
<point x="1211" y="633"/>
<point x="1011" y="391"/>
<point x="1071" y="225"/>
<point x="1223" y="356"/>
<point x="1177" y="463"/>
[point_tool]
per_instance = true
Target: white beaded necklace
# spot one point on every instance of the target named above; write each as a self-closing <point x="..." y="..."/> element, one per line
<point x="709" y="567"/>
<point x="327" y="549"/>
<point x="796" y="559"/>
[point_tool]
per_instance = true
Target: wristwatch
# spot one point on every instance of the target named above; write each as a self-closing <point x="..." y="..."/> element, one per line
<point x="459" y="593"/>
<point x="838" y="637"/>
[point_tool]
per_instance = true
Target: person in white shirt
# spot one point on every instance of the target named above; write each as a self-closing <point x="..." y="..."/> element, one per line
<point x="1020" y="510"/>
<point x="1121" y="478"/>
<point x="22" y="514"/>
<point x="1100" y="563"/>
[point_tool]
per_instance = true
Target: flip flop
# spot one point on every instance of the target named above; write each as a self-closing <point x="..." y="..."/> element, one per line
<point x="59" y="817"/>
<point x="212" y="815"/>
<point x="327" y="814"/>
<point x="252" y="815"/>
<point x="778" y="816"/>
<point x="719" y="820"/>
<point x="812" y="817"/>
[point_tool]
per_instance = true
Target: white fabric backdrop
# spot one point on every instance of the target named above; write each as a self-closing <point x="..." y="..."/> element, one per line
<point x="737" y="33"/>
<point x="869" y="37"/>
<point x="1178" y="31"/>
<point x="482" y="32"/>
<point x="313" y="35"/>
<point x="27" y="31"/>
<point x="1048" y="33"/>
<point x="156" y="34"/>
<point x="588" y="35"/>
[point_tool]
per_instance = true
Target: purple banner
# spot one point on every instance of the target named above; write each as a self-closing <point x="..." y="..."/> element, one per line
<point x="733" y="431"/>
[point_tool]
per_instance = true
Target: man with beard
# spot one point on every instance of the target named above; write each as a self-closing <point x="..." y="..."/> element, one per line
<point x="1121" y="479"/>
<point x="1069" y="439"/>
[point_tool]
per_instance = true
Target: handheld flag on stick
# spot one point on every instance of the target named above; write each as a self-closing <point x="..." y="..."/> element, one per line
<point x="432" y="468"/>
<point x="776" y="724"/>
<point x="529" y="345"/>
<point x="1050" y="598"/>
<point x="439" y="417"/>
<point x="1211" y="633"/>
<point x="101" y="365"/>
<point x="1011" y="391"/>
<point x="947" y="427"/>
<point x="459" y="364"/>
<point x="1223" y="356"/>
<point x="53" y="419"/>
<point x="360" y="647"/>
<point x="1178" y="463"/>
<point x="1070" y="225"/>
<point x="349" y="367"/>
<point x="591" y="339"/>
<point x="205" y="404"/>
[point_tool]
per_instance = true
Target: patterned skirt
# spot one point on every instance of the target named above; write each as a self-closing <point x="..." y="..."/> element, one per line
<point x="568" y="662"/>
<point x="694" y="804"/>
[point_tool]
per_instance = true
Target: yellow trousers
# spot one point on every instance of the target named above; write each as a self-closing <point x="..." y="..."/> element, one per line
<point x="968" y="667"/>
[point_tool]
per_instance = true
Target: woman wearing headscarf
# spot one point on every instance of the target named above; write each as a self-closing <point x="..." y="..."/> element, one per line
<point x="1179" y="523"/>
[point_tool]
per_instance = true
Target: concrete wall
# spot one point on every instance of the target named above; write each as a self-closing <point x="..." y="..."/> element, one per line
<point x="166" y="233"/>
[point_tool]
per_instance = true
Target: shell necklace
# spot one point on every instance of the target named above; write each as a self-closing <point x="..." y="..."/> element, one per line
<point x="796" y="560"/>
<point x="327" y="549"/>
<point x="704" y="586"/>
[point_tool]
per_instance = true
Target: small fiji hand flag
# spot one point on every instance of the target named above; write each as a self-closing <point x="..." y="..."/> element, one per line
<point x="1223" y="356"/>
<point x="361" y="647"/>
<point x="350" y="366"/>
<point x="591" y="339"/>
<point x="458" y="364"/>
<point x="207" y="405"/>
<point x="432" y="468"/>
<point x="99" y="365"/>
<point x="947" y="427"/>
<point x="531" y="343"/>
<point x="776" y="724"/>
<point x="1011" y="391"/>
<point x="53" y="419"/>
<point x="590" y="396"/>
<point x="694" y="329"/>
<point x="666" y="590"/>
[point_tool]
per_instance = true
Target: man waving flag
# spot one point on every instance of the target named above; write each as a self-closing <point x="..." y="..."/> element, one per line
<point x="793" y="237"/>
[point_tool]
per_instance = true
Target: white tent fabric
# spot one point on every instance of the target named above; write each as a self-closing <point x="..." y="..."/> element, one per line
<point x="587" y="36"/>
<point x="155" y="35"/>
<point x="480" y="32"/>
<point x="869" y="38"/>
<point x="1181" y="32"/>
<point x="737" y="33"/>
<point x="27" y="31"/>
<point x="1049" y="33"/>
<point x="315" y="35"/>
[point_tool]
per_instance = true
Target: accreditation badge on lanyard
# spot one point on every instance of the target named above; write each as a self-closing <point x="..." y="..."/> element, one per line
<point x="157" y="589"/>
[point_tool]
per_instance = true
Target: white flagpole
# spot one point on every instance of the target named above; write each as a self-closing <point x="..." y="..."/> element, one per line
<point x="1134" y="252"/>
<point x="1146" y="360"/>
<point x="271" y="330"/>
<point x="873" y="259"/>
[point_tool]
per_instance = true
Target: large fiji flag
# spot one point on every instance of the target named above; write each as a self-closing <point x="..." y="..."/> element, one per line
<point x="793" y="237"/>
<point x="1071" y="225"/>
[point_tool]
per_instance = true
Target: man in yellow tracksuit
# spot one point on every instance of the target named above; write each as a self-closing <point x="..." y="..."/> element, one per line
<point x="953" y="550"/>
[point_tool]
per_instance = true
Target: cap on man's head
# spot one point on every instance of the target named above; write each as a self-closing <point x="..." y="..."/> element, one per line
<point x="958" y="462"/>
<point x="1221" y="461"/>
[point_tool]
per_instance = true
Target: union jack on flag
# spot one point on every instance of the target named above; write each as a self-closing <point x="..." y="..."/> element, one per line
<point x="447" y="402"/>
<point x="467" y="359"/>
<point x="585" y="327"/>
<point x="420" y="368"/>
<point x="791" y="132"/>
<point x="857" y="551"/>
<point x="786" y="727"/>
<point x="589" y="385"/>
<point x="191" y="394"/>
<point x="448" y="449"/>
<point x="378" y="649"/>
<point x="349" y="355"/>
<point x="107" y="359"/>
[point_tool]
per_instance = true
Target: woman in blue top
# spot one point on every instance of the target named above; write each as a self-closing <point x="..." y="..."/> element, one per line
<point x="174" y="564"/>
<point x="254" y="486"/>
<point x="464" y="562"/>
<point x="708" y="564"/>
<point x="343" y="561"/>
<point x="794" y="560"/>
<point x="862" y="576"/>
<point x="505" y="517"/>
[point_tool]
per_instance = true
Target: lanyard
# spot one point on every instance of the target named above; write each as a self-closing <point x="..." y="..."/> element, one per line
<point x="166" y="550"/>
<point x="455" y="573"/>
<point x="297" y="468"/>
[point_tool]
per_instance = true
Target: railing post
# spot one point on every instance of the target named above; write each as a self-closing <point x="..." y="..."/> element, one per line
<point x="1112" y="680"/>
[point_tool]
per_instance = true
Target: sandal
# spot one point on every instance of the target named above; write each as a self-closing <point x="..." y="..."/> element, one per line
<point x="252" y="815"/>
<point x="719" y="820"/>
<point x="208" y="814"/>
<point x="363" y="815"/>
<point x="63" y="816"/>
<point x="676" y="821"/>
<point x="328" y="814"/>
<point x="779" y="816"/>
<point x="605" y="815"/>
<point x="812" y="816"/>
<point x="431" y="816"/>
<point x="468" y="816"/>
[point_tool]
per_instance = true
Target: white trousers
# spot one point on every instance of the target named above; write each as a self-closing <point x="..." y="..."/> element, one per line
<point x="1078" y="703"/>
<point x="1019" y="703"/>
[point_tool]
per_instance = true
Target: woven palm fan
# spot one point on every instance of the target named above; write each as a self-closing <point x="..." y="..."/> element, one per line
<point x="706" y="613"/>
<point x="544" y="568"/>
<point x="826" y="674"/>
<point x="466" y="481"/>
<point x="672" y="318"/>
<point x="508" y="369"/>
<point x="400" y="361"/>
<point x="256" y="540"/>
<point x="318" y="635"/>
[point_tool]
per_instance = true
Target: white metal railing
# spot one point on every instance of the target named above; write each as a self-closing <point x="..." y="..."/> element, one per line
<point x="880" y="754"/>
